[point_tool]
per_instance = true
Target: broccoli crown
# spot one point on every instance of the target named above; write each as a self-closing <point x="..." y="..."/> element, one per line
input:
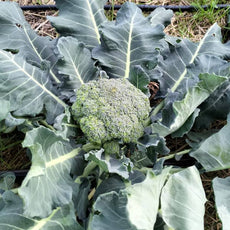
<point x="110" y="109"/>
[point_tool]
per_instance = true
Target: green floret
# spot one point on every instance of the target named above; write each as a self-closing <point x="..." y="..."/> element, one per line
<point x="111" y="147"/>
<point x="111" y="109"/>
<point x="93" y="128"/>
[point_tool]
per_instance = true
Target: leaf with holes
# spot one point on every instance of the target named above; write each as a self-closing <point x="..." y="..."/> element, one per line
<point x="182" y="66"/>
<point x="129" y="41"/>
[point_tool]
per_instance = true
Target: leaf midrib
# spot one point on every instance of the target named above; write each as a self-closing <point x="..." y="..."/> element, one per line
<point x="63" y="158"/>
<point x="41" y="223"/>
<point x="39" y="56"/>
<point x="196" y="53"/>
<point x="128" y="55"/>
<point x="11" y="59"/>
<point x="93" y="21"/>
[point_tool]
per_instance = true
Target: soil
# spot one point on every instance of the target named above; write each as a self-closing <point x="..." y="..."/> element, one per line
<point x="16" y="158"/>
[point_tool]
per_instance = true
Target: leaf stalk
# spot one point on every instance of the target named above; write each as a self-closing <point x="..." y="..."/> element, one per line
<point x="175" y="154"/>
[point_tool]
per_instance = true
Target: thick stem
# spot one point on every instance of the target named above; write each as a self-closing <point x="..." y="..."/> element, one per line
<point x="158" y="108"/>
<point x="91" y="194"/>
<point x="88" y="169"/>
<point x="47" y="125"/>
<point x="91" y="146"/>
<point x="91" y="165"/>
<point x="175" y="154"/>
<point x="147" y="122"/>
<point x="14" y="190"/>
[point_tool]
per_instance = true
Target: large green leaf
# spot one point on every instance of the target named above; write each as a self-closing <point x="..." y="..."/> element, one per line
<point x="5" y="109"/>
<point x="7" y="180"/>
<point x="113" y="183"/>
<point x="144" y="197"/>
<point x="160" y="16"/>
<point x="11" y="217"/>
<point x="59" y="219"/>
<point x="80" y="198"/>
<point x="28" y="89"/>
<point x="76" y="62"/>
<point x="134" y="208"/>
<point x="17" y="35"/>
<point x="182" y="109"/>
<point x="110" y="164"/>
<point x="222" y="197"/>
<point x="10" y="203"/>
<point x="216" y="107"/>
<point x="181" y="67"/>
<point x="182" y="200"/>
<point x="148" y="149"/>
<point x="187" y="125"/>
<point x="112" y="213"/>
<point x="80" y="19"/>
<point x="48" y="183"/>
<point x="214" y="152"/>
<point x="129" y="41"/>
<point x="139" y="78"/>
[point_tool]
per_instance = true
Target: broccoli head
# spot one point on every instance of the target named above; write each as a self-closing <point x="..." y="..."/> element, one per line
<point x="111" y="109"/>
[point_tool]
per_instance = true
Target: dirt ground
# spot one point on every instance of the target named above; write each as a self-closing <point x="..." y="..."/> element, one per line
<point x="184" y="25"/>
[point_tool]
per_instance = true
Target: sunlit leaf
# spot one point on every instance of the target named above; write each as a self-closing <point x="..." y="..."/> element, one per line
<point x="11" y="216"/>
<point x="182" y="201"/>
<point x="81" y="19"/>
<point x="48" y="184"/>
<point x="221" y="188"/>
<point x="182" y="109"/>
<point x="28" y="90"/>
<point x="214" y="152"/>
<point x="129" y="41"/>
<point x="133" y="208"/>
<point x="18" y="36"/>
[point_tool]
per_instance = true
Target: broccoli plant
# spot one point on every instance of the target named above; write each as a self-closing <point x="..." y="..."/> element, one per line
<point x="99" y="152"/>
<point x="111" y="110"/>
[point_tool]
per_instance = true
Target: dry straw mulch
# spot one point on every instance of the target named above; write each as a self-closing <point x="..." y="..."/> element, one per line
<point x="194" y="30"/>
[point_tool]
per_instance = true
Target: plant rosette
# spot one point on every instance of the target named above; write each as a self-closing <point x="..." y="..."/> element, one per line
<point x="97" y="147"/>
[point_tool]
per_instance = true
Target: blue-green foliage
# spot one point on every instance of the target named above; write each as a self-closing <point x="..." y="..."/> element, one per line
<point x="98" y="150"/>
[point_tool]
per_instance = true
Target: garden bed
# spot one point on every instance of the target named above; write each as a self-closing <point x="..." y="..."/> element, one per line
<point x="184" y="24"/>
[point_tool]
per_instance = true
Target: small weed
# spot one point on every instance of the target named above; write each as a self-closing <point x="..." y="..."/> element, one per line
<point x="194" y="25"/>
<point x="211" y="14"/>
<point x="42" y="2"/>
<point x="110" y="14"/>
